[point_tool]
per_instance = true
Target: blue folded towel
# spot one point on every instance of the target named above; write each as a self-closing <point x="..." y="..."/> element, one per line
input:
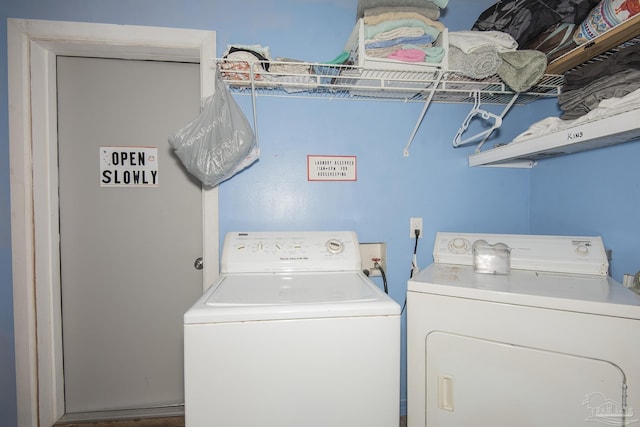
<point x="421" y="40"/>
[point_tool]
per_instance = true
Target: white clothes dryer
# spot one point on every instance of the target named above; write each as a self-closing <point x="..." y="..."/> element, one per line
<point x="553" y="342"/>
<point x="292" y="334"/>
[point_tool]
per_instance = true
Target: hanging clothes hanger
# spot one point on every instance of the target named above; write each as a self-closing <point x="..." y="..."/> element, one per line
<point x="477" y="112"/>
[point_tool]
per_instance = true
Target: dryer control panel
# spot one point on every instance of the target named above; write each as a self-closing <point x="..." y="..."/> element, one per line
<point x="564" y="254"/>
<point x="275" y="251"/>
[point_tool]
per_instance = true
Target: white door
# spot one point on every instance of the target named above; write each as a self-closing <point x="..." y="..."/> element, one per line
<point x="127" y="252"/>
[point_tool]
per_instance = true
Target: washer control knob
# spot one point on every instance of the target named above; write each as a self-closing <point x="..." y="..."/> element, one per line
<point x="582" y="250"/>
<point x="334" y="246"/>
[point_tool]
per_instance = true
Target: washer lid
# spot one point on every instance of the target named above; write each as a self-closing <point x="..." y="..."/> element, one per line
<point x="592" y="294"/>
<point x="271" y="296"/>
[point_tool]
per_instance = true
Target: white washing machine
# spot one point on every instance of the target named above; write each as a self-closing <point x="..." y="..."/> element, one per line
<point x="292" y="334"/>
<point x="554" y="342"/>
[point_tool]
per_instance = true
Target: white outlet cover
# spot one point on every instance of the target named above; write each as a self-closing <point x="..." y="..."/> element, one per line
<point x="415" y="223"/>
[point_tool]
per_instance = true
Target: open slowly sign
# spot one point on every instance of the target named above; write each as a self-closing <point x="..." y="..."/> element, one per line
<point x="128" y="166"/>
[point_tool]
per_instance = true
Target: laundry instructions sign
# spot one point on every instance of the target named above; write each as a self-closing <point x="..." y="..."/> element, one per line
<point x="128" y="166"/>
<point x="331" y="168"/>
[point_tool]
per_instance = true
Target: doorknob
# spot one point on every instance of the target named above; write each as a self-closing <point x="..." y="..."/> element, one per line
<point x="198" y="264"/>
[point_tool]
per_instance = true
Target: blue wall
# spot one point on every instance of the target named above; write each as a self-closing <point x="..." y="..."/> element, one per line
<point x="434" y="182"/>
<point x="592" y="193"/>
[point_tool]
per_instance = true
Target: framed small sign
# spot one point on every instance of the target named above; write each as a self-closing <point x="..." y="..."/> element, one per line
<point x="331" y="168"/>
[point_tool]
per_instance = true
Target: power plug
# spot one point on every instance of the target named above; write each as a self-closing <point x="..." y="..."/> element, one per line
<point x="415" y="224"/>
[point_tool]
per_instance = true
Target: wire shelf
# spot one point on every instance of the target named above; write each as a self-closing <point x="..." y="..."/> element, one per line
<point x="351" y="82"/>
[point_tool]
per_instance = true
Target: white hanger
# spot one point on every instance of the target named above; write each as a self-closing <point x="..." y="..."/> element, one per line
<point x="476" y="112"/>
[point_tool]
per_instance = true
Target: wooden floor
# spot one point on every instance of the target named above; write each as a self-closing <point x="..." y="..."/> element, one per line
<point x="152" y="422"/>
<point x="140" y="422"/>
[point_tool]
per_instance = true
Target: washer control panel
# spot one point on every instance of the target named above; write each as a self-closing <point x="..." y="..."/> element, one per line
<point x="256" y="252"/>
<point x="566" y="254"/>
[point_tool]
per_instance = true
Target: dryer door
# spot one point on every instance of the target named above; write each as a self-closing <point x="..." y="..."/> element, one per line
<point x="472" y="381"/>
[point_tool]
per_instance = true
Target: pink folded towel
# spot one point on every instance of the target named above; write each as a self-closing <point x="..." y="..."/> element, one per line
<point x="408" y="55"/>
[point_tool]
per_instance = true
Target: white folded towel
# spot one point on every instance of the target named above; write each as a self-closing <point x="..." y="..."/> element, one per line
<point x="469" y="40"/>
<point x="607" y="107"/>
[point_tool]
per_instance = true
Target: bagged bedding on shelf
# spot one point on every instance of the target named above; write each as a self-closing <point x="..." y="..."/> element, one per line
<point x="219" y="142"/>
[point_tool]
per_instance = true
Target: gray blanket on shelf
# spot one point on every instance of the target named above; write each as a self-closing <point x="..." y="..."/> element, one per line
<point x="395" y="5"/>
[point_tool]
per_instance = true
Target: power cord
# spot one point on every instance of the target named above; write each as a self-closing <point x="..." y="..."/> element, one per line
<point x="414" y="264"/>
<point x="414" y="260"/>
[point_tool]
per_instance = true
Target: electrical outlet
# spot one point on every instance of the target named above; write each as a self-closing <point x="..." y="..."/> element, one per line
<point x="373" y="251"/>
<point x="415" y="224"/>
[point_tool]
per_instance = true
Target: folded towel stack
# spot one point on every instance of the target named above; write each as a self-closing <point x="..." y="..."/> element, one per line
<point x="480" y="54"/>
<point x="475" y="54"/>
<point x="402" y="30"/>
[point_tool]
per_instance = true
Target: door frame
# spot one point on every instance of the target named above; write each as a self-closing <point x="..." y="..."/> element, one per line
<point x="33" y="46"/>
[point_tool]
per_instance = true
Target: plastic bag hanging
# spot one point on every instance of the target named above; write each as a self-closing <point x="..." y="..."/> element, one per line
<point x="219" y="142"/>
